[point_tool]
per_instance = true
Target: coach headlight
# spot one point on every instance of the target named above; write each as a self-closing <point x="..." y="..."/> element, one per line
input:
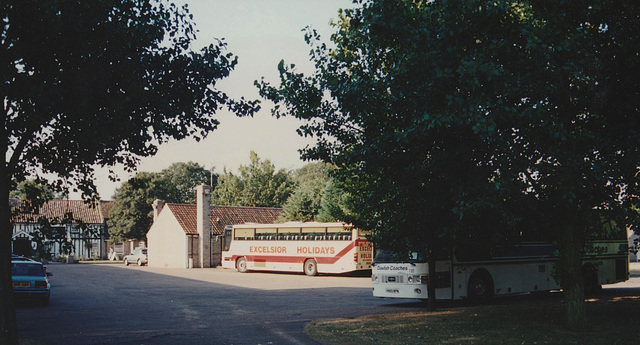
<point x="410" y="280"/>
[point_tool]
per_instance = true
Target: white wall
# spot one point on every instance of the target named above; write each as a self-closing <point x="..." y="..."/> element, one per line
<point x="167" y="242"/>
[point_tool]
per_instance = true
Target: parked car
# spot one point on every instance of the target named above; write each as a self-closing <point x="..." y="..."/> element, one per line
<point x="15" y="257"/>
<point x="139" y="256"/>
<point x="30" y="281"/>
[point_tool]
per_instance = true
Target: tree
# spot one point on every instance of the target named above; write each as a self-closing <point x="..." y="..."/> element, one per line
<point x="228" y="191"/>
<point x="183" y="178"/>
<point x="305" y="202"/>
<point x="33" y="190"/>
<point x="257" y="184"/>
<point x="443" y="113"/>
<point x="333" y="206"/>
<point x="132" y="213"/>
<point x="87" y="86"/>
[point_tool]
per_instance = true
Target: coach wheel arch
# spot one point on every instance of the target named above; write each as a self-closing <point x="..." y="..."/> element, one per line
<point x="241" y="265"/>
<point x="310" y="267"/>
<point x="480" y="285"/>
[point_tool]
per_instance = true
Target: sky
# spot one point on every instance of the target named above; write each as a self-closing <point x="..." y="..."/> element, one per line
<point x="260" y="33"/>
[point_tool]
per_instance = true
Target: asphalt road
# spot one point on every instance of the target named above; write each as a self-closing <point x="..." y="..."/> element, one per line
<point x="114" y="304"/>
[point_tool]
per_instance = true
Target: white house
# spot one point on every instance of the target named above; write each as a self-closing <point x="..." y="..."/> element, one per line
<point x="178" y="239"/>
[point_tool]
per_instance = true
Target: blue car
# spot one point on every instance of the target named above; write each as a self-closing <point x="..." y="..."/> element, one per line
<point x="30" y="281"/>
<point x="15" y="257"/>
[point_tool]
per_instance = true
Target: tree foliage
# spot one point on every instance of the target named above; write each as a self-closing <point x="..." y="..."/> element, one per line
<point x="462" y="120"/>
<point x="88" y="85"/>
<point x="257" y="184"/>
<point x="333" y="206"/>
<point x="182" y="179"/>
<point x="305" y="202"/>
<point x="132" y="213"/>
<point x="33" y="190"/>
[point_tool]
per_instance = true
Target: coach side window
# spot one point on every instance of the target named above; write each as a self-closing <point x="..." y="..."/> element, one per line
<point x="288" y="234"/>
<point x="266" y="233"/>
<point x="244" y="234"/>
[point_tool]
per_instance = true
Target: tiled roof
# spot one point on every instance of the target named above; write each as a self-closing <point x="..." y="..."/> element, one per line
<point x="219" y="216"/>
<point x="89" y="213"/>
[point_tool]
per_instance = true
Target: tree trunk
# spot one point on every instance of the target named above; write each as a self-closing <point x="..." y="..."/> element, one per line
<point x="571" y="243"/>
<point x="431" y="284"/>
<point x="9" y="334"/>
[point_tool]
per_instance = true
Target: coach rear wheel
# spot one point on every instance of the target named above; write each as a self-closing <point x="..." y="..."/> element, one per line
<point x="241" y="265"/>
<point x="310" y="267"/>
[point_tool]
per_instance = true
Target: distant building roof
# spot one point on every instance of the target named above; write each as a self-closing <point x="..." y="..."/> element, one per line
<point x="219" y="216"/>
<point x="89" y="213"/>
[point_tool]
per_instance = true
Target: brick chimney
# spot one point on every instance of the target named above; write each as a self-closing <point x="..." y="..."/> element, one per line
<point x="203" y="204"/>
<point x="157" y="208"/>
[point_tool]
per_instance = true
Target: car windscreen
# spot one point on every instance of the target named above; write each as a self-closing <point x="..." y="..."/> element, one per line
<point x="25" y="269"/>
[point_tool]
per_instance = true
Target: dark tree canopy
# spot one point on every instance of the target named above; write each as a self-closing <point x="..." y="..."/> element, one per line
<point x="104" y="84"/>
<point x="448" y="118"/>
<point x="95" y="84"/>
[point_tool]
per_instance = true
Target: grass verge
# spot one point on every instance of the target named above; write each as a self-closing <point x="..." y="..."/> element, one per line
<point x="531" y="319"/>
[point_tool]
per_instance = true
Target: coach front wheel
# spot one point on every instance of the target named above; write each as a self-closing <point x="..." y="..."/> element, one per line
<point x="241" y="265"/>
<point x="310" y="267"/>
